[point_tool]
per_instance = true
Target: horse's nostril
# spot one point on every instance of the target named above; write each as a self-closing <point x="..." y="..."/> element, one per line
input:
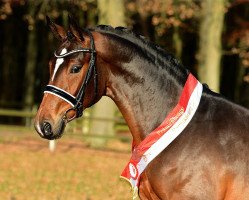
<point x="47" y="129"/>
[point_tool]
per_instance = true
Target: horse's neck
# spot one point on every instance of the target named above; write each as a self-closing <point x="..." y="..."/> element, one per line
<point x="144" y="95"/>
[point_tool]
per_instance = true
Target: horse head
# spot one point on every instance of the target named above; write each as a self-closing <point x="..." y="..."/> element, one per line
<point x="73" y="83"/>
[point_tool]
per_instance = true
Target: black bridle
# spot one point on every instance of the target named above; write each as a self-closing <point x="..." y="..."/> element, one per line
<point x="77" y="102"/>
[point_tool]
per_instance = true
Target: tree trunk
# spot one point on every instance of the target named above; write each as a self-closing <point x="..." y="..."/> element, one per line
<point x="111" y="12"/>
<point x="177" y="42"/>
<point x="209" y="55"/>
<point x="8" y="67"/>
<point x="12" y="61"/>
<point x="29" y="76"/>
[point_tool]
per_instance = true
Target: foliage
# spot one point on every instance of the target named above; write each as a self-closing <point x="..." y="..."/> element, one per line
<point x="237" y="39"/>
<point x="167" y="14"/>
<point x="173" y="24"/>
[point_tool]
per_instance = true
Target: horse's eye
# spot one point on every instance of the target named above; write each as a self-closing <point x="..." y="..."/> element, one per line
<point x="75" y="69"/>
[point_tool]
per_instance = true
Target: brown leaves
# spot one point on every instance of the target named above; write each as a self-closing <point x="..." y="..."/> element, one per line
<point x="165" y="14"/>
<point x="5" y="9"/>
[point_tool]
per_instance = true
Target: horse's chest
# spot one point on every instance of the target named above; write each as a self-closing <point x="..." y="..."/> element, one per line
<point x="146" y="191"/>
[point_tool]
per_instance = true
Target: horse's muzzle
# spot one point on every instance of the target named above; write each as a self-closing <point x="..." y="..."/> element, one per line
<point x="50" y="131"/>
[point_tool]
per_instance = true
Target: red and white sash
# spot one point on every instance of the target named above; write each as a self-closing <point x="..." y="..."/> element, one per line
<point x="162" y="136"/>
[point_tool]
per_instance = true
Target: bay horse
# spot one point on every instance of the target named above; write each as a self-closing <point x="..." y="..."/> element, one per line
<point x="208" y="158"/>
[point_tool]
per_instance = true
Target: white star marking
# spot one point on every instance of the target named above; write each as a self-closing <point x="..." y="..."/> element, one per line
<point x="58" y="63"/>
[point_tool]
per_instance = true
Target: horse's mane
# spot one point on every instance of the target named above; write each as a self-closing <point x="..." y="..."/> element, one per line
<point x="127" y="34"/>
<point x="132" y="36"/>
<point x="152" y="50"/>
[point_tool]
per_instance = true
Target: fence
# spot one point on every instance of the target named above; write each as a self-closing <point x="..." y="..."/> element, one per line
<point x="76" y="128"/>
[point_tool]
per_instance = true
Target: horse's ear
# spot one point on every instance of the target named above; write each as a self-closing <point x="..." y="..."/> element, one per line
<point x="58" y="31"/>
<point x="75" y="28"/>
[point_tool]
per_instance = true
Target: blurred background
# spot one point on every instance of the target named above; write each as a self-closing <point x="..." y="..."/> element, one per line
<point x="210" y="37"/>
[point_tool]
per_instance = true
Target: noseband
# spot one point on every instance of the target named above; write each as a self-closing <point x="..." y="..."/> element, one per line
<point x="77" y="101"/>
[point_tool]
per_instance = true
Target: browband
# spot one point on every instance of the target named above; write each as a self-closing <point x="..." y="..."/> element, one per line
<point x="74" y="51"/>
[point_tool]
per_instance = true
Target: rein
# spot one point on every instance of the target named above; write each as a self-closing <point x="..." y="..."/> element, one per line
<point x="77" y="101"/>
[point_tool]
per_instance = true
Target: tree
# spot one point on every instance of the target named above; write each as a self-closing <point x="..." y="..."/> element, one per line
<point x="12" y="54"/>
<point x="29" y="76"/>
<point x="209" y="56"/>
<point x="111" y="12"/>
<point x="236" y="55"/>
